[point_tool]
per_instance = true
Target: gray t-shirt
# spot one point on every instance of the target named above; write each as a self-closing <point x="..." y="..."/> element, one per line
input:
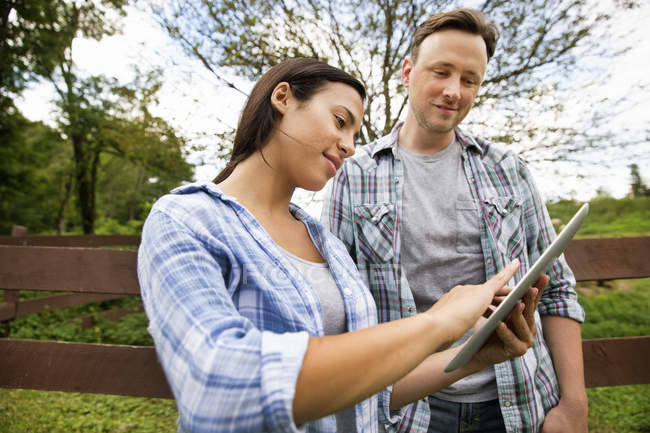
<point x="441" y="245"/>
<point x="319" y="276"/>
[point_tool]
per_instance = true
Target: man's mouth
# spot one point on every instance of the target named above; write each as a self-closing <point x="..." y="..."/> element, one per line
<point x="446" y="108"/>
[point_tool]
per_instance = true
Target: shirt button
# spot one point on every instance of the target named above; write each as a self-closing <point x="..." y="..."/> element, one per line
<point x="347" y="291"/>
<point x="489" y="261"/>
<point x="507" y="404"/>
<point x="397" y="180"/>
<point x="411" y="309"/>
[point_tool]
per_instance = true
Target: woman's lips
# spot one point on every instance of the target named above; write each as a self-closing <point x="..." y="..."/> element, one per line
<point x="334" y="163"/>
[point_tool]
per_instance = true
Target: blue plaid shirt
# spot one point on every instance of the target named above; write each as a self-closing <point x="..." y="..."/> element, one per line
<point x="364" y="210"/>
<point x="231" y="316"/>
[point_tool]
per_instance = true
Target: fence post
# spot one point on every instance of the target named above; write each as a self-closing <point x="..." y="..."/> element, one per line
<point x="19" y="231"/>
<point x="10" y="297"/>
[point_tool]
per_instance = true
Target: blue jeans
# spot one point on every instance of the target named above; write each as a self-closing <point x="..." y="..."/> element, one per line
<point x="450" y="417"/>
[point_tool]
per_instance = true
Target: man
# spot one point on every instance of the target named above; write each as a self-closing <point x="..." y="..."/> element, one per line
<point x="429" y="206"/>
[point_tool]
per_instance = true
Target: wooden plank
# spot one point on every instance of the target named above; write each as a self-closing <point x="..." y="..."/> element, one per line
<point x="85" y="270"/>
<point x="609" y="258"/>
<point x="45" y="303"/>
<point x="72" y="240"/>
<point x="616" y="361"/>
<point x="82" y="367"/>
<point x="134" y="371"/>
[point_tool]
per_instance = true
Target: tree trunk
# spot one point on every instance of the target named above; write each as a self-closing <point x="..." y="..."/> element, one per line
<point x="85" y="186"/>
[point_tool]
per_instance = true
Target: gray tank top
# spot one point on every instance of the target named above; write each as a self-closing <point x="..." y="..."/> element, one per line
<point x="441" y="244"/>
<point x="319" y="276"/>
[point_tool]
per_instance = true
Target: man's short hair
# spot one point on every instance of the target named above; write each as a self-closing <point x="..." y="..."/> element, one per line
<point x="467" y="20"/>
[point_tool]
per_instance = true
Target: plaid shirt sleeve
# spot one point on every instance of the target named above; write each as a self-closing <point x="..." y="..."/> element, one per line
<point x="226" y="374"/>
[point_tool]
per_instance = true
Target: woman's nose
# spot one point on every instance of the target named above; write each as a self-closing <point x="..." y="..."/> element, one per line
<point x="345" y="149"/>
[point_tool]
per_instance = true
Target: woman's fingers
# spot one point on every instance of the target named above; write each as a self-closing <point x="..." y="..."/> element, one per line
<point x="497" y="282"/>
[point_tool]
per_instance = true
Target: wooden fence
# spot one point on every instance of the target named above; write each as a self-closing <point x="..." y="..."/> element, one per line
<point x="134" y="371"/>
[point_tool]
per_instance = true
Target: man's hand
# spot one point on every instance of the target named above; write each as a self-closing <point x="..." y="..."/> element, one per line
<point x="567" y="416"/>
<point x="516" y="335"/>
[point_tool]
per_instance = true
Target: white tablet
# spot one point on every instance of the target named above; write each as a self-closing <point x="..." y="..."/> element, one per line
<point x="476" y="341"/>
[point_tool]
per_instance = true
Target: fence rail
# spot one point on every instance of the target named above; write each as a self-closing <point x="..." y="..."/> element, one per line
<point x="129" y="370"/>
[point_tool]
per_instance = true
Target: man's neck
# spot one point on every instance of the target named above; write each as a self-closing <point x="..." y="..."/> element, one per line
<point x="416" y="139"/>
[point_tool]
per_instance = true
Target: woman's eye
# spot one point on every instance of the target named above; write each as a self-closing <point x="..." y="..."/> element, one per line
<point x="341" y="121"/>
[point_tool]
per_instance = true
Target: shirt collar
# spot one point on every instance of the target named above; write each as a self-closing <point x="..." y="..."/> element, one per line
<point x="213" y="190"/>
<point x="389" y="141"/>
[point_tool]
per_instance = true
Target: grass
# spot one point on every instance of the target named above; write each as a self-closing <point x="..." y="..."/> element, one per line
<point x="617" y="309"/>
<point x="613" y="309"/>
<point x="608" y="217"/>
<point x="63" y="412"/>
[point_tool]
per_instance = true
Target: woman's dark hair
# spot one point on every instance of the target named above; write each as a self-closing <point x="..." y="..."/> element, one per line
<point x="305" y="77"/>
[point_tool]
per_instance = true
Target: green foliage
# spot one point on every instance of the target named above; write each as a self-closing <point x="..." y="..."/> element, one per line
<point x="29" y="45"/>
<point x="639" y="188"/>
<point x="34" y="173"/>
<point x="63" y="324"/>
<point x="97" y="117"/>
<point x="618" y="313"/>
<point x="109" y="226"/>
<point x="62" y="412"/>
<point x="608" y="217"/>
<point x="620" y="409"/>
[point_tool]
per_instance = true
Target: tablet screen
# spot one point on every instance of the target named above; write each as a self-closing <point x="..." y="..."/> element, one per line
<point x="476" y="341"/>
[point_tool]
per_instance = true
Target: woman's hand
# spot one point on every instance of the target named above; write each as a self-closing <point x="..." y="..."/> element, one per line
<point x="457" y="310"/>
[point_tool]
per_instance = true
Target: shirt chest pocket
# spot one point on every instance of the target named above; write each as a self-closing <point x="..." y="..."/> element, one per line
<point x="375" y="227"/>
<point x="505" y="221"/>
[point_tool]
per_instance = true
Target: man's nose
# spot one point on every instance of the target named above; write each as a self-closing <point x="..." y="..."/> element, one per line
<point x="452" y="90"/>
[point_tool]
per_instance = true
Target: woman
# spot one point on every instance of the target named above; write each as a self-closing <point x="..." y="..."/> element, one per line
<point x="259" y="317"/>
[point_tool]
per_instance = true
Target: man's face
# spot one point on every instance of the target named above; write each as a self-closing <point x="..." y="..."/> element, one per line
<point x="445" y="79"/>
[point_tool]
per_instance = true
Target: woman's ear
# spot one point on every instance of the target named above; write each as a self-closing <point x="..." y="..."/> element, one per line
<point x="280" y="97"/>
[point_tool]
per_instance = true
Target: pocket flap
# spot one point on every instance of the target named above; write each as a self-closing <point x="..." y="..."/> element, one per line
<point x="373" y="212"/>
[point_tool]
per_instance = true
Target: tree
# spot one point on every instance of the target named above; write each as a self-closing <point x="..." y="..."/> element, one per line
<point x="639" y="188"/>
<point x="99" y="117"/>
<point x="29" y="45"/>
<point x="542" y="43"/>
<point x="33" y="175"/>
<point x="102" y="117"/>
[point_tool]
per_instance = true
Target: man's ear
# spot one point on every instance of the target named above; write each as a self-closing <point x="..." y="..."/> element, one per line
<point x="407" y="67"/>
<point x="281" y="96"/>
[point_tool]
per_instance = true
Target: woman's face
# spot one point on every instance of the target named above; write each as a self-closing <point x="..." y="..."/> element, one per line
<point x="313" y="137"/>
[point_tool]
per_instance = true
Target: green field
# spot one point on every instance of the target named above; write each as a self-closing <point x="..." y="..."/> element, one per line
<point x="620" y="308"/>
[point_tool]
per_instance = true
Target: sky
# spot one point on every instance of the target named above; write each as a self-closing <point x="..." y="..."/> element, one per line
<point x="199" y="105"/>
